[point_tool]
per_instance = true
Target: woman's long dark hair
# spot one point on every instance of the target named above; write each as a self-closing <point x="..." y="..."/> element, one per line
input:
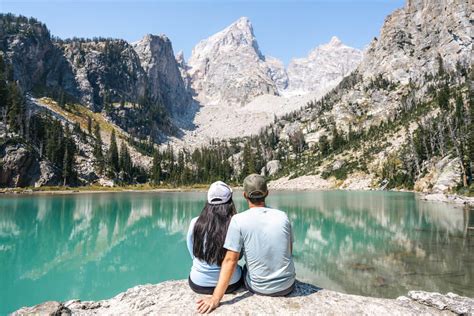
<point x="210" y="231"/>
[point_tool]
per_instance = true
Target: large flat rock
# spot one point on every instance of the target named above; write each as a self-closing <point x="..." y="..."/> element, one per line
<point x="175" y="297"/>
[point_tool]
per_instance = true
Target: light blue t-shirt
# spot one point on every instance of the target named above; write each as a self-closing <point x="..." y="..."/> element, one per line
<point x="267" y="239"/>
<point x="202" y="273"/>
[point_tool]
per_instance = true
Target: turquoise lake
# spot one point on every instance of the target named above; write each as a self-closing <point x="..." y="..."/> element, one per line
<point x="93" y="246"/>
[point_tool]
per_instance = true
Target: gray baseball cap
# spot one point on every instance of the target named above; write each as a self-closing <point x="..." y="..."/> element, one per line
<point x="219" y="193"/>
<point x="255" y="186"/>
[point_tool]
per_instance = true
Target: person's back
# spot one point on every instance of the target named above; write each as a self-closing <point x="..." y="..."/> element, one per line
<point x="266" y="237"/>
<point x="204" y="274"/>
<point x="205" y="240"/>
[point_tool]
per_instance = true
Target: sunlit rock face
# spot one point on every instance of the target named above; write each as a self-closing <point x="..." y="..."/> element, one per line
<point x="228" y="67"/>
<point x="323" y="68"/>
<point x="105" y="69"/>
<point x="183" y="70"/>
<point x="413" y="37"/>
<point x="418" y="44"/>
<point x="175" y="297"/>
<point x="36" y="62"/>
<point x="23" y="167"/>
<point x="164" y="77"/>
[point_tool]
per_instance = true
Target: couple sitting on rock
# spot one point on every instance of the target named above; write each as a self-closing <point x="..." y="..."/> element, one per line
<point x="219" y="237"/>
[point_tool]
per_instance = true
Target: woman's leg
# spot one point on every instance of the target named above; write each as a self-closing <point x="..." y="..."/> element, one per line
<point x="210" y="289"/>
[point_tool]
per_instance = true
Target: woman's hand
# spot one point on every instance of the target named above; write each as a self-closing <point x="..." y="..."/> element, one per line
<point x="207" y="305"/>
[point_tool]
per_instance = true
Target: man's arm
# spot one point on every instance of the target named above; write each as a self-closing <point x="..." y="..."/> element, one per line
<point x="229" y="263"/>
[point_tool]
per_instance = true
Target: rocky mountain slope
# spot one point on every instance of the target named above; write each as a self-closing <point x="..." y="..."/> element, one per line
<point x="132" y="90"/>
<point x="109" y="75"/>
<point x="323" y="69"/>
<point x="162" y="69"/>
<point x="413" y="37"/>
<point x="403" y="118"/>
<point x="35" y="62"/>
<point x="106" y="71"/>
<point x="236" y="85"/>
<point x="228" y="67"/>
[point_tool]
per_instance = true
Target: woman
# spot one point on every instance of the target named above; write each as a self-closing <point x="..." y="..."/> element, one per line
<point x="206" y="236"/>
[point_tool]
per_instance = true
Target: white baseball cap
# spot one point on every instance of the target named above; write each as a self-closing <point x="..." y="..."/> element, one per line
<point x="219" y="193"/>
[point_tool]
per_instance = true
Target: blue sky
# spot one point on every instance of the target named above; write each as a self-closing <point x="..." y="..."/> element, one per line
<point x="284" y="28"/>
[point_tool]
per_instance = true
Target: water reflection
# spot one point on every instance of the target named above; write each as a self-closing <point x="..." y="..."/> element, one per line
<point x="92" y="246"/>
<point x="380" y="244"/>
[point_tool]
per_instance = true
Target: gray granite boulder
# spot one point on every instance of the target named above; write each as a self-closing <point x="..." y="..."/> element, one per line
<point x="175" y="297"/>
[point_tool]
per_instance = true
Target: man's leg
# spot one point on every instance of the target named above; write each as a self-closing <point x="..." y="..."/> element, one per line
<point x="284" y="292"/>
<point x="248" y="287"/>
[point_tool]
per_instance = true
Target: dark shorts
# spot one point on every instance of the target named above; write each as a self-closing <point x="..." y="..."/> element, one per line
<point x="279" y="293"/>
<point x="210" y="289"/>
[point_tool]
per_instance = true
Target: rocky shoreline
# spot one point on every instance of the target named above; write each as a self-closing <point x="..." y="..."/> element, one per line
<point x="175" y="297"/>
<point x="304" y="183"/>
<point x="447" y="198"/>
<point x="312" y="183"/>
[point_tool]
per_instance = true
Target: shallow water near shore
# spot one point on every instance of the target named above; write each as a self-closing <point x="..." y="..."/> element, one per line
<point x="94" y="246"/>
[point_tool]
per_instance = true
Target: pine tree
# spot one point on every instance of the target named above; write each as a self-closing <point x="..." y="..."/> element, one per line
<point x="125" y="162"/>
<point x="89" y="125"/>
<point x="156" y="167"/>
<point x="61" y="102"/>
<point x="180" y="167"/>
<point x="98" y="153"/>
<point x="69" y="174"/>
<point x="112" y="156"/>
<point x="470" y="141"/>
<point x="441" y="71"/>
<point x="3" y="86"/>
<point x="106" y="103"/>
<point x="248" y="161"/>
<point x="337" y="139"/>
<point x="323" y="145"/>
<point x="16" y="109"/>
<point x="169" y="159"/>
<point x="55" y="143"/>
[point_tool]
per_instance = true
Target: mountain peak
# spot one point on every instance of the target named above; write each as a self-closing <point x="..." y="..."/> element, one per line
<point x="243" y="22"/>
<point x="180" y="55"/>
<point x="242" y="26"/>
<point x="148" y="39"/>
<point x="228" y="67"/>
<point x="238" y="35"/>
<point x="335" y="41"/>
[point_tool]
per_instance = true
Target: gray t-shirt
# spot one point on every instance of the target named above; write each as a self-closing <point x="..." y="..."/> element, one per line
<point x="266" y="236"/>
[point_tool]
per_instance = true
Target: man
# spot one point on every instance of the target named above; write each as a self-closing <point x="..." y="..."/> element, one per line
<point x="265" y="237"/>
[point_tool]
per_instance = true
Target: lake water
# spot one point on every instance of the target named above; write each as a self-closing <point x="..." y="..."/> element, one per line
<point x="93" y="246"/>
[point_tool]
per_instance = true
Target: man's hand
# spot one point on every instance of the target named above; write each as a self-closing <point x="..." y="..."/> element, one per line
<point x="207" y="305"/>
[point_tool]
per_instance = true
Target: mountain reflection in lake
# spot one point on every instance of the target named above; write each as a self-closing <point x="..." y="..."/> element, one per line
<point x="93" y="246"/>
